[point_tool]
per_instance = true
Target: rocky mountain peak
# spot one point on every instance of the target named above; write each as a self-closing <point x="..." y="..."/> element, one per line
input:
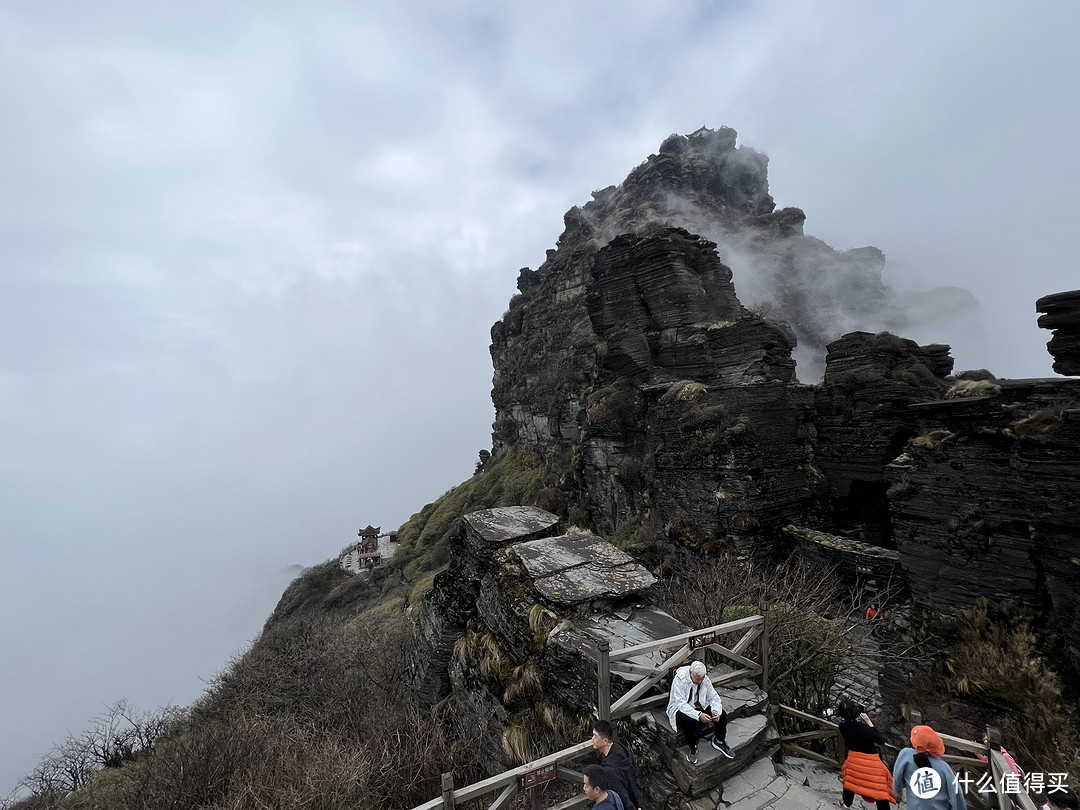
<point x="708" y="185"/>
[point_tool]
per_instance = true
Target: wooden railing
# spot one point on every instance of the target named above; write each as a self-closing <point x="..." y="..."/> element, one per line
<point x="998" y="767"/>
<point x="532" y="775"/>
<point x="619" y="662"/>
<point x="510" y="783"/>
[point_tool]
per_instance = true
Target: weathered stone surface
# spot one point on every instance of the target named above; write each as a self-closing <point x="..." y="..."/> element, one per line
<point x="575" y="568"/>
<point x="747" y="737"/>
<point x="862" y="422"/>
<point x="490" y="529"/>
<point x="1063" y="317"/>
<point x="569" y="662"/>
<point x="984" y="500"/>
<point x="439" y="622"/>
<point x="856" y="563"/>
<point x="731" y="461"/>
<point x="475" y="706"/>
<point x="757" y="776"/>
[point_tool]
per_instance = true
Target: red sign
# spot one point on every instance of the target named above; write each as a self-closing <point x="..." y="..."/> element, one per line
<point x="538" y="776"/>
<point x="702" y="640"/>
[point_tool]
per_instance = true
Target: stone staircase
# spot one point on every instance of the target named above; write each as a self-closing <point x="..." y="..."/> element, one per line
<point x="752" y="780"/>
<point x="858" y="677"/>
<point x="749" y="734"/>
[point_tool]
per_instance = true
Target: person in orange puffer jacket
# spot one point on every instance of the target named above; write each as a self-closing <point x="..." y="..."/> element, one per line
<point x="863" y="771"/>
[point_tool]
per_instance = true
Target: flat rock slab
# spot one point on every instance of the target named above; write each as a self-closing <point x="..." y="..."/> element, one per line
<point x="816" y="775"/>
<point x="574" y="568"/>
<point x="842" y="544"/>
<point x="760" y="786"/>
<point x="629" y="627"/>
<point x="747" y="736"/>
<point x="490" y="529"/>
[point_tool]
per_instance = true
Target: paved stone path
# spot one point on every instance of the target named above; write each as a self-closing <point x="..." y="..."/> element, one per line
<point x="797" y="784"/>
<point x="858" y="678"/>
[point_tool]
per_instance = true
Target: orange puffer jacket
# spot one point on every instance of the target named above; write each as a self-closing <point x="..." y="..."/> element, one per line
<point x="867" y="776"/>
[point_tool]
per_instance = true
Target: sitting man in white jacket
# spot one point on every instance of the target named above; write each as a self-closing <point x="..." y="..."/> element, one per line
<point x="693" y="705"/>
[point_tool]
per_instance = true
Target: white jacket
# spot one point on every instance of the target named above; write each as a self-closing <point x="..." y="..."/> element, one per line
<point x="681" y="690"/>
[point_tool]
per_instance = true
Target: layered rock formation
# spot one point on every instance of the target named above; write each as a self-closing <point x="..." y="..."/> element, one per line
<point x="983" y="500"/>
<point x="673" y="407"/>
<point x="1063" y="317"/>
<point x="630" y="346"/>
<point x="511" y="628"/>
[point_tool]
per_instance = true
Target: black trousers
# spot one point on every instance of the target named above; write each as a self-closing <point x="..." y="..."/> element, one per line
<point x="693" y="729"/>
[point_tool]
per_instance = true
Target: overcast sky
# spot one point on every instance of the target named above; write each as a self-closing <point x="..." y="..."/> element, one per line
<point x="250" y="254"/>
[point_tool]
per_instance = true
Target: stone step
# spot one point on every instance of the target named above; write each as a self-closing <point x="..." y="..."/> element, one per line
<point x="763" y="784"/>
<point x="748" y="737"/>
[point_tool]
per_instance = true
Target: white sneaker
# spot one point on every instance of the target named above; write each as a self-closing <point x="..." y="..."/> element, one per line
<point x="691" y="756"/>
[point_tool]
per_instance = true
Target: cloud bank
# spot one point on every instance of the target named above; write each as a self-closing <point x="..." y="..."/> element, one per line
<point x="250" y="255"/>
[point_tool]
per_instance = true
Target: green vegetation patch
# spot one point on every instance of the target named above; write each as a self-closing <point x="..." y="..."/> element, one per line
<point x="515" y="478"/>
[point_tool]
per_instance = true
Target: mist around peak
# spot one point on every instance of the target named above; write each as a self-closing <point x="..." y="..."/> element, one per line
<point x="710" y="186"/>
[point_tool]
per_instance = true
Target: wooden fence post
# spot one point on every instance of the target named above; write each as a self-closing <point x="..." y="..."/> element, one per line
<point x="603" y="680"/>
<point x="993" y="743"/>
<point x="448" y="791"/>
<point x="764" y="608"/>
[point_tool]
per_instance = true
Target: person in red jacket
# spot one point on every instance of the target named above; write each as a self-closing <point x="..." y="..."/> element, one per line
<point x="863" y="771"/>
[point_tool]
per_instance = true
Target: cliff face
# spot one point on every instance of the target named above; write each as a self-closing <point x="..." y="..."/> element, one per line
<point x="668" y="414"/>
<point x="629" y="351"/>
<point x="708" y="186"/>
<point x="630" y="345"/>
<point x="983" y="501"/>
<point x="626" y="351"/>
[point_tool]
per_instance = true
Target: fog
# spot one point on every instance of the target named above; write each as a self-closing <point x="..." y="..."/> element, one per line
<point x="250" y="255"/>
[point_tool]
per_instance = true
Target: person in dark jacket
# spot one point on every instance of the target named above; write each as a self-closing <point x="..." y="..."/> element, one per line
<point x="863" y="771"/>
<point x="618" y="763"/>
<point x="595" y="786"/>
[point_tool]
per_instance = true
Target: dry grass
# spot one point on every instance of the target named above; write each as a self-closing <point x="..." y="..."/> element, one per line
<point x="934" y="440"/>
<point x="516" y="745"/>
<point x="541" y="622"/>
<point x="683" y="391"/>
<point x="993" y="665"/>
<point x="312" y="716"/>
<point x="523" y="681"/>
<point x="1039" y="425"/>
<point x="972" y="388"/>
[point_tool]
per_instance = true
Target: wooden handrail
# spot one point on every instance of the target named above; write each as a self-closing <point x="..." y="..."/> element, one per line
<point x="682" y="638"/>
<point x="996" y="764"/>
<point x="506" y="778"/>
<point x="628" y="702"/>
<point x="754" y="627"/>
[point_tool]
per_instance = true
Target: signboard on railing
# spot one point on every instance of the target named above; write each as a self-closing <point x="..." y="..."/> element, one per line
<point x="538" y="776"/>
<point x="702" y="640"/>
